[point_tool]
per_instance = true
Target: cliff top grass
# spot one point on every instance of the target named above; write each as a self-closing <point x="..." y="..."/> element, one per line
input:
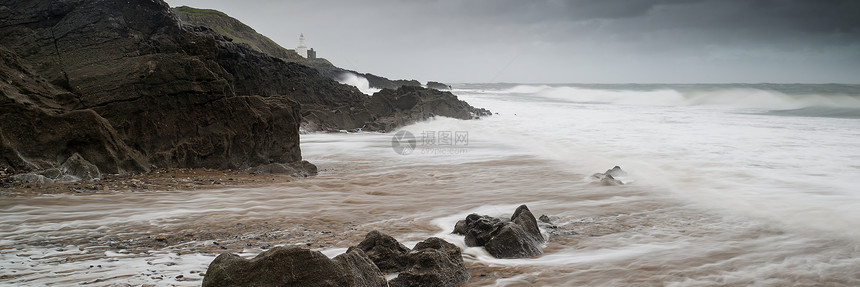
<point x="196" y="11"/>
<point x="230" y="27"/>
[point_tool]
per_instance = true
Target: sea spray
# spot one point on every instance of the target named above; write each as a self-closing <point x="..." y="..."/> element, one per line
<point x="357" y="81"/>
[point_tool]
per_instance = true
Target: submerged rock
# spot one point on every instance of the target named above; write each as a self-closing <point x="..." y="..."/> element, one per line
<point x="433" y="262"/>
<point x="608" y="178"/>
<point x="519" y="237"/>
<point x="293" y="266"/>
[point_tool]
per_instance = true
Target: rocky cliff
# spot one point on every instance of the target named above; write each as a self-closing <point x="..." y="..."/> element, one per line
<point x="127" y="87"/>
<point x="237" y="32"/>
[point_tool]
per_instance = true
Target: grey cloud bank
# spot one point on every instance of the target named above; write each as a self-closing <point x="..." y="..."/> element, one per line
<point x="548" y="41"/>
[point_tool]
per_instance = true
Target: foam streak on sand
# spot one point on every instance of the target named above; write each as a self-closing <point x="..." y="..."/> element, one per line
<point x="716" y="195"/>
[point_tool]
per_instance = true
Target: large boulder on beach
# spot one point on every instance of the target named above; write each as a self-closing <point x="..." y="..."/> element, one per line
<point x="293" y="266"/>
<point x="386" y="252"/>
<point x="433" y="262"/>
<point x="518" y="237"/>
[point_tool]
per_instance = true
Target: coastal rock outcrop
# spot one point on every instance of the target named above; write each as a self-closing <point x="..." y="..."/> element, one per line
<point x="519" y="237"/>
<point x="438" y="86"/>
<point x="293" y="266"/>
<point x="326" y="105"/>
<point x="128" y="87"/>
<point x="129" y="78"/>
<point x="408" y="104"/>
<point x="38" y="133"/>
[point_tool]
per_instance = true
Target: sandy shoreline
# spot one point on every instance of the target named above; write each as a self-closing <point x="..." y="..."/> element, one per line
<point x="201" y="238"/>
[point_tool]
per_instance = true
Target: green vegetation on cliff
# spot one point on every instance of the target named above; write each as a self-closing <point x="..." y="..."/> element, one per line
<point x="230" y="27"/>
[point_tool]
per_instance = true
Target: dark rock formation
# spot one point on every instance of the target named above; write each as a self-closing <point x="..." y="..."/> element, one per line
<point x="519" y="237"/>
<point x="438" y="86"/>
<point x="608" y="178"/>
<point x="406" y="105"/>
<point x="293" y="266"/>
<point x="37" y="132"/>
<point x="433" y="262"/>
<point x="128" y="87"/>
<point x="388" y="254"/>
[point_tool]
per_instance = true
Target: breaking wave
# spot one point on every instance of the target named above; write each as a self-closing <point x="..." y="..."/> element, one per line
<point x="357" y="81"/>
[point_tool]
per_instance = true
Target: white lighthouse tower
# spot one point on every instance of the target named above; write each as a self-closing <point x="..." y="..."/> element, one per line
<point x="302" y="49"/>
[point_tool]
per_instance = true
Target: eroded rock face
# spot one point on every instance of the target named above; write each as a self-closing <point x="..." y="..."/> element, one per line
<point x="126" y="86"/>
<point x="37" y="132"/>
<point x="518" y="237"/>
<point x="293" y="266"/>
<point x="128" y="78"/>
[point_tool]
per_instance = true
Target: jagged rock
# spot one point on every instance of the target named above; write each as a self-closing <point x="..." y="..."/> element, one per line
<point x="433" y="262"/>
<point x="408" y="104"/>
<point x="388" y="254"/>
<point x="478" y="229"/>
<point x="293" y="266"/>
<point x="520" y="237"/>
<point x="437" y="86"/>
<point x="79" y="167"/>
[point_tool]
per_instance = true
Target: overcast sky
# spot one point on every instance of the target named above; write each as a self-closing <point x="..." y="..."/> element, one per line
<point x="570" y="41"/>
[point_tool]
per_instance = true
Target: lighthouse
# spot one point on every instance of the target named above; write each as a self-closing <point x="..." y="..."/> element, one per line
<point x="302" y="49"/>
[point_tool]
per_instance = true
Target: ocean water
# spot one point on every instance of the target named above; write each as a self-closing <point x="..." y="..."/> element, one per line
<point x="727" y="185"/>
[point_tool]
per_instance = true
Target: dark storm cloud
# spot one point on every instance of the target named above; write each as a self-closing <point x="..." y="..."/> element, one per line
<point x="751" y="17"/>
<point x="571" y="40"/>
